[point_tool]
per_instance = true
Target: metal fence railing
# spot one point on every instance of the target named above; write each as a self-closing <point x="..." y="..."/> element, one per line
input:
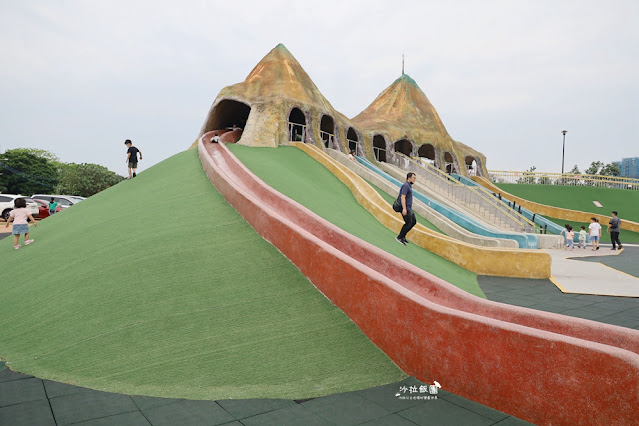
<point x="475" y="199"/>
<point x="296" y="132"/>
<point x="565" y="179"/>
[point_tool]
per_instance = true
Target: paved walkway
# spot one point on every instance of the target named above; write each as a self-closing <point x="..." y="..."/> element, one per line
<point x="593" y="277"/>
<point x="26" y="400"/>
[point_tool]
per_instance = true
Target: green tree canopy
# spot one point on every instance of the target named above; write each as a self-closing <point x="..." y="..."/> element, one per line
<point x="610" y="169"/>
<point x="27" y="173"/>
<point x="85" y="179"/>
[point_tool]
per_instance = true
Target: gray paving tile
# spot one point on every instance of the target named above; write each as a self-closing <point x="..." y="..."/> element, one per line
<point x="146" y="402"/>
<point x="390" y="420"/>
<point x="185" y="413"/>
<point x="242" y="408"/>
<point x="442" y="412"/>
<point x="513" y="421"/>
<point x="7" y="375"/>
<point x="386" y="397"/>
<point x="345" y="408"/>
<point x="293" y="415"/>
<point x="476" y="407"/>
<point x="84" y="406"/>
<point x="28" y="414"/>
<point x="56" y="389"/>
<point x="19" y="391"/>
<point x="134" y="418"/>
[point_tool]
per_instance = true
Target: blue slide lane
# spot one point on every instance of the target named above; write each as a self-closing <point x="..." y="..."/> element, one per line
<point x="524" y="240"/>
<point x="538" y="219"/>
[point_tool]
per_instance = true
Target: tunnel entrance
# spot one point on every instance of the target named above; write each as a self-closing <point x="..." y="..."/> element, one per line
<point x="327" y="132"/>
<point x="229" y="113"/>
<point x="379" y="148"/>
<point x="297" y="126"/>
<point x="404" y="146"/>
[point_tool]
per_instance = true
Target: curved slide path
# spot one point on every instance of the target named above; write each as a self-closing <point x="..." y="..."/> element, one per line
<point x="478" y="259"/>
<point x="526" y="241"/>
<point x="556" y="212"/>
<point x="538" y="366"/>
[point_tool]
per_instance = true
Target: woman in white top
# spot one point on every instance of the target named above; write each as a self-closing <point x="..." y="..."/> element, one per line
<point x="594" y="229"/>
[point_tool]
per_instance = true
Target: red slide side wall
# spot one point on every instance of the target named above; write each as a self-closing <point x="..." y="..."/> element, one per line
<point x="536" y="375"/>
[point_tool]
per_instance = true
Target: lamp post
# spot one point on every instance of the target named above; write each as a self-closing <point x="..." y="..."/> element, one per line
<point x="563" y="151"/>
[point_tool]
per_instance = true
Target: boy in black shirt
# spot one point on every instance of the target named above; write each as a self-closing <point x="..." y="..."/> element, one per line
<point x="132" y="157"/>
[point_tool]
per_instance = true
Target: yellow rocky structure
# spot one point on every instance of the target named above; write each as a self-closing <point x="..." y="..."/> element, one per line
<point x="279" y="103"/>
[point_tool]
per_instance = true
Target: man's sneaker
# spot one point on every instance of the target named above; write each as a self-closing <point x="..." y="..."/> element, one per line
<point x="26" y="243"/>
<point x="17" y="247"/>
<point x="405" y="241"/>
<point x="134" y="175"/>
<point x="399" y="240"/>
<point x="620" y="246"/>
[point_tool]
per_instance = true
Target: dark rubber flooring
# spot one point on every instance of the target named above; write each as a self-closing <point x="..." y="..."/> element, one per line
<point x="29" y="401"/>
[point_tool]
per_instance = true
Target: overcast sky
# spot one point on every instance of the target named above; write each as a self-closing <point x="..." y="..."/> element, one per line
<point x="79" y="77"/>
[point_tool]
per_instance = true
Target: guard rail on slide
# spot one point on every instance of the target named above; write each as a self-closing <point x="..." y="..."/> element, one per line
<point x="556" y="212"/>
<point x="477" y="259"/>
<point x="537" y="218"/>
<point x="531" y="364"/>
<point x="529" y="241"/>
<point x="447" y="226"/>
<point x="479" y="202"/>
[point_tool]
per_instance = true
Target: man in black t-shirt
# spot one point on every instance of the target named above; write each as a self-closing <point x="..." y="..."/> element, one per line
<point x="132" y="157"/>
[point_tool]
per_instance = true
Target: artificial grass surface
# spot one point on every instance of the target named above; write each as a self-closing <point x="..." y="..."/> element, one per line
<point x="581" y="198"/>
<point x="157" y="286"/>
<point x="298" y="176"/>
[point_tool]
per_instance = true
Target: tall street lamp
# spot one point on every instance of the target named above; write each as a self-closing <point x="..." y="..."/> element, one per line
<point x="563" y="151"/>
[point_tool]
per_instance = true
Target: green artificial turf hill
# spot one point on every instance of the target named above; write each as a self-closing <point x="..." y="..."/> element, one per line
<point x="297" y="175"/>
<point x="157" y="286"/>
<point x="581" y="198"/>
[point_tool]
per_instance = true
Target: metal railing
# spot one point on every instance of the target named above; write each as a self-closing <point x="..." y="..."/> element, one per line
<point x="475" y="199"/>
<point x="377" y="150"/>
<point x="295" y="131"/>
<point x="327" y="138"/>
<point x="565" y="179"/>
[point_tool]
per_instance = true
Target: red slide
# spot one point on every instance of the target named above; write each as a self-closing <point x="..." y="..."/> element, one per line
<point x="541" y="367"/>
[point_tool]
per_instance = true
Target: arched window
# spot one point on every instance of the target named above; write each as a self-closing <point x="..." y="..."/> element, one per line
<point x="404" y="146"/>
<point x="449" y="163"/>
<point x="327" y="132"/>
<point x="426" y="152"/>
<point x="471" y="165"/>
<point x="353" y="142"/>
<point x="297" y="126"/>
<point x="379" y="148"/>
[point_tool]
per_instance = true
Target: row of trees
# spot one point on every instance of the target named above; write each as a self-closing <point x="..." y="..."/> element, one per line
<point x="30" y="171"/>
<point x="596" y="168"/>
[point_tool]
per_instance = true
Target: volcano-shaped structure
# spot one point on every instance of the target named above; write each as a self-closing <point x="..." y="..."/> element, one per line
<point x="278" y="102"/>
<point x="409" y="123"/>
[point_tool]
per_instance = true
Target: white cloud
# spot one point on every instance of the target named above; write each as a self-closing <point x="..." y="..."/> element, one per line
<point x="506" y="77"/>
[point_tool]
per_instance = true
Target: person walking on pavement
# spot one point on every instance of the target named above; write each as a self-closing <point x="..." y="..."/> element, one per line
<point x="132" y="157"/>
<point x="595" y="233"/>
<point x="406" y="198"/>
<point x="614" y="227"/>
